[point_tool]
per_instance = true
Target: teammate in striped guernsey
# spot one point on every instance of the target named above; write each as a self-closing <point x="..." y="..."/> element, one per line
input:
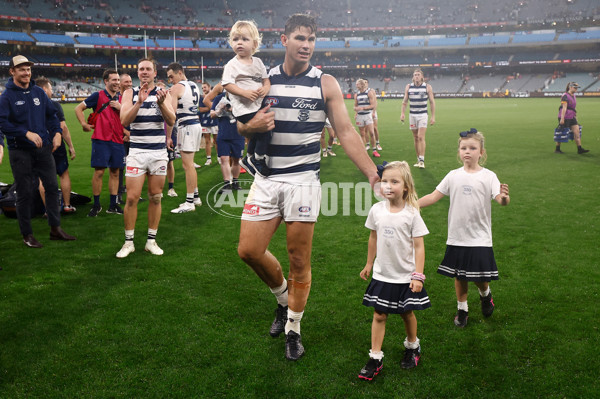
<point x="145" y="109"/>
<point x="185" y="97"/>
<point x="300" y="99"/>
<point x="418" y="92"/>
<point x="364" y="104"/>
<point x="375" y="118"/>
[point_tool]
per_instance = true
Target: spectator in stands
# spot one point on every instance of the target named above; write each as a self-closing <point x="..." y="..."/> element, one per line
<point x="107" y="140"/>
<point x="60" y="154"/>
<point x="567" y="116"/>
<point x="145" y="110"/>
<point x="29" y="121"/>
<point x="418" y="92"/>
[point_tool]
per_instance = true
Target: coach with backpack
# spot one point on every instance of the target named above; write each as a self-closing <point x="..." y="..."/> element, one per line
<point x="107" y="140"/>
<point x="28" y="119"/>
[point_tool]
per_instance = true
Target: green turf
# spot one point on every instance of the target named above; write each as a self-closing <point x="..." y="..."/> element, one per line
<point x="77" y="322"/>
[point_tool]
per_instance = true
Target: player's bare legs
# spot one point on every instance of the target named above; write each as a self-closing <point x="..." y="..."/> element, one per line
<point x="252" y="249"/>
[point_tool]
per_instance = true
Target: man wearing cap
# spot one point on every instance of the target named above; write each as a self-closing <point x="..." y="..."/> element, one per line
<point x="32" y="129"/>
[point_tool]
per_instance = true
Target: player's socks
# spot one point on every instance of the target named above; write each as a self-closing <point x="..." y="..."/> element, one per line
<point x="293" y="323"/>
<point x="281" y="293"/>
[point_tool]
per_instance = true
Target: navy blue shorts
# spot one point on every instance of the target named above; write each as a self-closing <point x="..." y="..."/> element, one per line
<point x="230" y="148"/>
<point x="61" y="159"/>
<point x="469" y="263"/>
<point x="107" y="154"/>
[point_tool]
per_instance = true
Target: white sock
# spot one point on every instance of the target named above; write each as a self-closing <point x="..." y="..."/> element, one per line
<point x="484" y="293"/>
<point x="129" y="235"/>
<point x="463" y="306"/>
<point x="281" y="293"/>
<point x="293" y="323"/>
<point x="189" y="197"/>
<point x="152" y="234"/>
<point x="376" y="355"/>
<point x="412" y="345"/>
<point x="421" y="158"/>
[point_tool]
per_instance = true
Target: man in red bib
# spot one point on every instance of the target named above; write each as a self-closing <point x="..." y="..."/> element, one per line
<point x="107" y="139"/>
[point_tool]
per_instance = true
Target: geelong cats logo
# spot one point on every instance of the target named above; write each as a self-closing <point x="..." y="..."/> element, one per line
<point x="303" y="115"/>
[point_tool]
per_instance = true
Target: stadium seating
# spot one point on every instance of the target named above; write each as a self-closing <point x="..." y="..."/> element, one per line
<point x="96" y="40"/>
<point x="135" y="43"/>
<point x="51" y="38"/>
<point x="501" y="38"/>
<point x="16" y="36"/>
<point x="447" y="41"/>
<point x="178" y="43"/>
<point x="583" y="79"/>
<point x="524" y="37"/>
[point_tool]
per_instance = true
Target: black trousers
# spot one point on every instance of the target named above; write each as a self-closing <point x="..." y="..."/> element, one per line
<point x="29" y="165"/>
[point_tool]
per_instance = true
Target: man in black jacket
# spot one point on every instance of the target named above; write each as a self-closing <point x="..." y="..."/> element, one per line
<point x="29" y="122"/>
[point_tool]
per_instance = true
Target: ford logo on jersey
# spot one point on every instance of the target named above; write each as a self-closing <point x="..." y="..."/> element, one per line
<point x="271" y="101"/>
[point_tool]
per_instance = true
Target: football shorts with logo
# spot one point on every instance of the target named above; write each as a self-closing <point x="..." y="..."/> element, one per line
<point x="293" y="202"/>
<point x="152" y="162"/>
<point x="364" y="120"/>
<point x="417" y="121"/>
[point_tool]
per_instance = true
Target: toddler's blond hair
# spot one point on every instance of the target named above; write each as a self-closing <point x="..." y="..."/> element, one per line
<point x="252" y="30"/>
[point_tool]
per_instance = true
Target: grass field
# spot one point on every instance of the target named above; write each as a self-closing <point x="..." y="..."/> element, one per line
<point x="77" y="322"/>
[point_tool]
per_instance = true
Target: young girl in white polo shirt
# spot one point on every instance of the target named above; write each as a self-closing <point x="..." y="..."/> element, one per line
<point x="397" y="231"/>
<point x="469" y="254"/>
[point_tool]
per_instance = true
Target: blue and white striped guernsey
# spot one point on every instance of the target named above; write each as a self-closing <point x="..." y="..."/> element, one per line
<point x="205" y="118"/>
<point x="187" y="105"/>
<point x="148" y="128"/>
<point x="299" y="119"/>
<point x="362" y="99"/>
<point x="418" y="98"/>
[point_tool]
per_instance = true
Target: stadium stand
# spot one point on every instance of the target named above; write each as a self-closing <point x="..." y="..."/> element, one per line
<point x="446" y="41"/>
<point x="500" y="38"/>
<point x="125" y="41"/>
<point x="52" y="38"/>
<point x="559" y="83"/>
<point x="588" y="35"/>
<point x="418" y="34"/>
<point x="489" y="82"/>
<point x="525" y="37"/>
<point x="96" y="40"/>
<point x="168" y="43"/>
<point x="15" y="36"/>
